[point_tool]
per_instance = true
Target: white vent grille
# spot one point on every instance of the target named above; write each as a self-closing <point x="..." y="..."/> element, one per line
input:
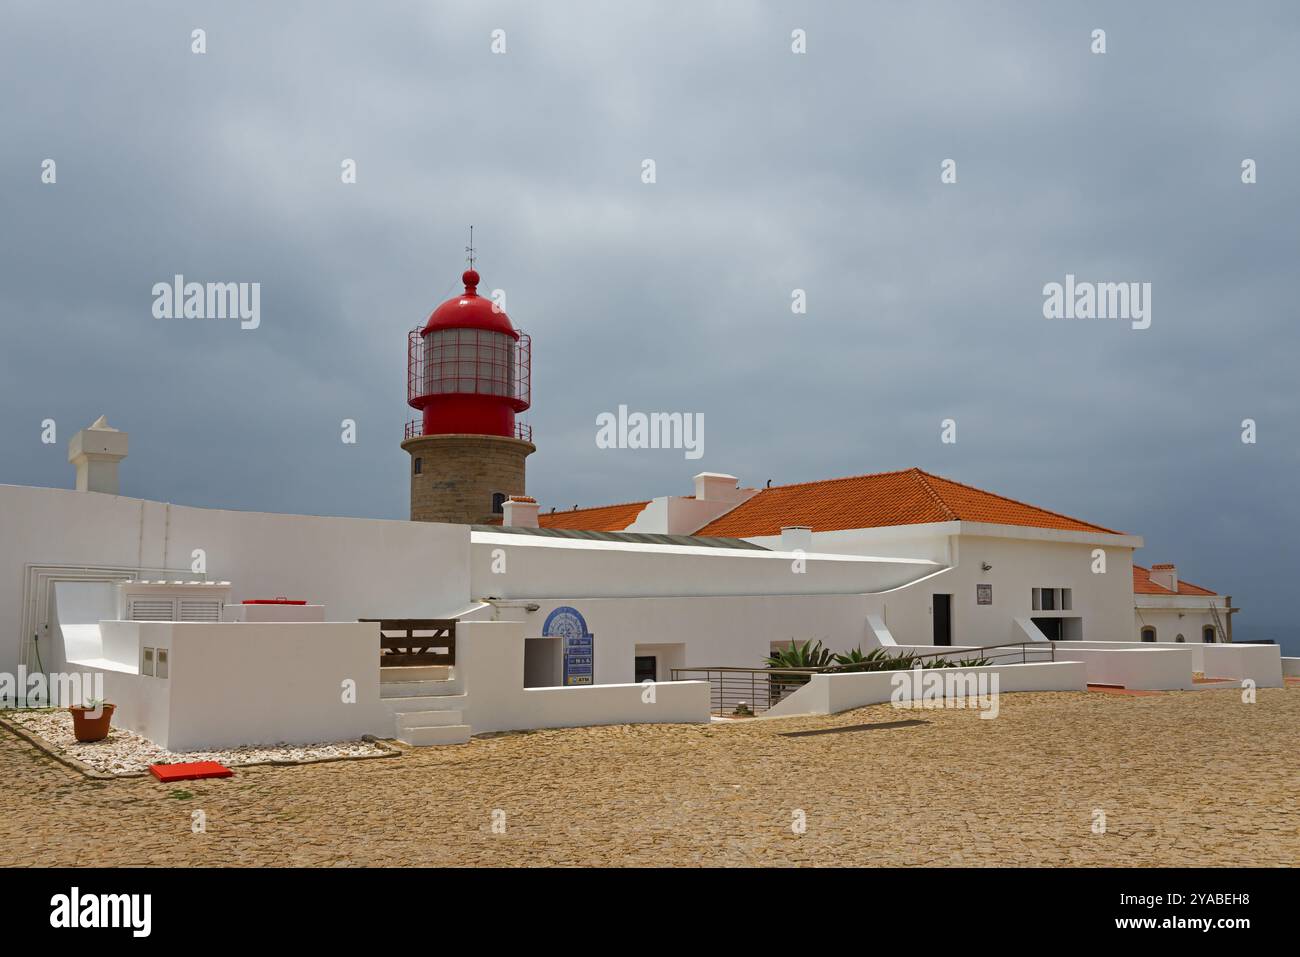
<point x="199" y="610"/>
<point x="152" y="609"/>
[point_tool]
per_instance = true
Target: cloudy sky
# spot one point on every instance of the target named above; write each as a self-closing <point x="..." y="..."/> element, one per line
<point x="775" y="172"/>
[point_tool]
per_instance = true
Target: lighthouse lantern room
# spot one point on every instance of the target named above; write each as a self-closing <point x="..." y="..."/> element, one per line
<point x="468" y="372"/>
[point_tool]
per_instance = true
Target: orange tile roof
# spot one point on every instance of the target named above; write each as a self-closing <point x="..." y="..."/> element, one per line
<point x="1143" y="585"/>
<point x="908" y="497"/>
<point x="601" y="518"/>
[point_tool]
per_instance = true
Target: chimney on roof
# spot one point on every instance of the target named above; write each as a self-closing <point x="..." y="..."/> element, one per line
<point x="716" y="487"/>
<point x="519" y="511"/>
<point x="796" y="537"/>
<point x="1165" y="576"/>
<point x="95" y="451"/>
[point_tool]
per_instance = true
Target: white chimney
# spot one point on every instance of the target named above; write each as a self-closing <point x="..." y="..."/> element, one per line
<point x="716" y="487"/>
<point x="520" y="511"/>
<point x="796" y="537"/>
<point x="95" y="452"/>
<point x="1166" y="576"/>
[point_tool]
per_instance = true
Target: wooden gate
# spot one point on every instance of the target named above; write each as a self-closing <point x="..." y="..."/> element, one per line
<point x="416" y="642"/>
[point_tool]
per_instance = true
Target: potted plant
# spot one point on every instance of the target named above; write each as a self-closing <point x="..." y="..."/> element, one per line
<point x="90" y="721"/>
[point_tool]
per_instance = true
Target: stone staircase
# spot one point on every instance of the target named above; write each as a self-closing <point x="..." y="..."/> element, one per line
<point x="426" y="704"/>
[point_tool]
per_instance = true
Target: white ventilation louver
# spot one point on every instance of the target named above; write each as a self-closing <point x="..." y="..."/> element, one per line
<point x="152" y="609"/>
<point x="197" y="610"/>
<point x="196" y="602"/>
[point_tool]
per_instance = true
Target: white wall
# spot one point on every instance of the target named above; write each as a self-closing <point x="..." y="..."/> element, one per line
<point x="930" y="541"/>
<point x="1261" y="663"/>
<point x="1104" y="601"/>
<point x="233" y="683"/>
<point x="273" y="613"/>
<point x="360" y="568"/>
<point x="1142" y="669"/>
<point x="83" y="605"/>
<point x="1171" y="622"/>
<point x="1022" y="559"/>
<point x="266" y="683"/>
<point x="543" y="567"/>
<point x="731" y="631"/>
<point x="490" y="663"/>
<point x="831" y="694"/>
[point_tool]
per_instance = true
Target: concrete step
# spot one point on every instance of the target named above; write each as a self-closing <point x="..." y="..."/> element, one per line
<point x="405" y="689"/>
<point x="429" y="673"/>
<point x="409" y="703"/>
<point x="426" y="719"/>
<point x="429" y="737"/>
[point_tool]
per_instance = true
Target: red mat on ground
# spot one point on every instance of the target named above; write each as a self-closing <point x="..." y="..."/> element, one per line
<point x="190" y="771"/>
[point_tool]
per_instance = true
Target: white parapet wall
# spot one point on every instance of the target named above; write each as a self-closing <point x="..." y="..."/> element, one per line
<point x="1167" y="668"/>
<point x="357" y="568"/>
<point x="272" y="612"/>
<point x="490" y="663"/>
<point x="228" y="684"/>
<point x="1260" y="663"/>
<point x="833" y="693"/>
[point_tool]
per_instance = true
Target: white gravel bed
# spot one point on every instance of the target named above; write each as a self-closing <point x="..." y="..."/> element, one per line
<point x="125" y="752"/>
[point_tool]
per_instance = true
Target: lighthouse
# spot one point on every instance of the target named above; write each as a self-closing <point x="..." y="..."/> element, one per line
<point x="468" y="372"/>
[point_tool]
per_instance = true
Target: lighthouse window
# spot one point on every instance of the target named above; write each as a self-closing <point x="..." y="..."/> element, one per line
<point x="469" y="360"/>
<point x="419" y="462"/>
<point x="498" y="502"/>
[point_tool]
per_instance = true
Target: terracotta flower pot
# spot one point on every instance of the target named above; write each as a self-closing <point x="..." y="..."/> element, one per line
<point x="88" y="728"/>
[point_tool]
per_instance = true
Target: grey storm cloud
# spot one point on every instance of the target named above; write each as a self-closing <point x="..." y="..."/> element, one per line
<point x="775" y="171"/>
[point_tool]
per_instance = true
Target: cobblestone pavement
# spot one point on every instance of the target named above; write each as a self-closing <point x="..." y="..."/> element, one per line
<point x="1192" y="778"/>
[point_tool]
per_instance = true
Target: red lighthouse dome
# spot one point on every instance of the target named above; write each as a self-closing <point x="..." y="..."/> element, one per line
<point x="468" y="368"/>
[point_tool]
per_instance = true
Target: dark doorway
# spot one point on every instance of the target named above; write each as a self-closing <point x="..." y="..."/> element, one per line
<point x="1050" y="627"/>
<point x="647" y="668"/>
<point x="942" y="619"/>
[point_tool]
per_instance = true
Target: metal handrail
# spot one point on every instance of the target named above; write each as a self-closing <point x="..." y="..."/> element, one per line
<point x="727" y="684"/>
<point x="415" y="429"/>
<point x="1023" y="647"/>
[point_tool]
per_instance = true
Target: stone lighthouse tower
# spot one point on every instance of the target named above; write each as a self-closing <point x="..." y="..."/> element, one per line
<point x="468" y="372"/>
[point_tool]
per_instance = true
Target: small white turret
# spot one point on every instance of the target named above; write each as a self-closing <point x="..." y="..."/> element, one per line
<point x="95" y="451"/>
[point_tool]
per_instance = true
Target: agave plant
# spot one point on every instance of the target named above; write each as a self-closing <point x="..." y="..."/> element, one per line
<point x="878" y="659"/>
<point x="853" y="657"/>
<point x="961" y="663"/>
<point x="808" y="655"/>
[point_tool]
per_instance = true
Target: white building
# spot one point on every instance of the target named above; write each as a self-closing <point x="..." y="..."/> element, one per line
<point x="551" y="618"/>
<point x="1001" y="571"/>
<point x="719" y="578"/>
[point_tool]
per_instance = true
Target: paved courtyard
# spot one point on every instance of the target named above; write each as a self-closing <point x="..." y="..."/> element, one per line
<point x="1192" y="778"/>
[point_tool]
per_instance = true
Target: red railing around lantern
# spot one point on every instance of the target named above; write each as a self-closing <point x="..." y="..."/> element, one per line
<point x="415" y="429"/>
